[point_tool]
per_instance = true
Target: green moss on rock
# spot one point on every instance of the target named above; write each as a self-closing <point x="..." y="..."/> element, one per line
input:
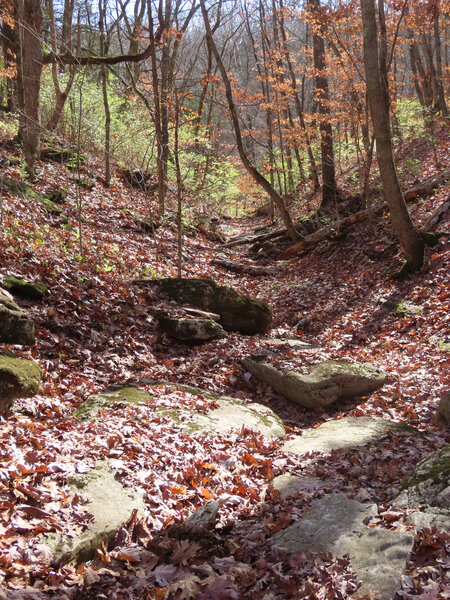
<point x="92" y="405"/>
<point x="238" y="312"/>
<point x="24" y="289"/>
<point x="15" y="325"/>
<point x="19" y="378"/>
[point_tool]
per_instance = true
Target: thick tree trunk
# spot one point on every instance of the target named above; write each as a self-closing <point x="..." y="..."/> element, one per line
<point x="410" y="239"/>
<point x="28" y="18"/>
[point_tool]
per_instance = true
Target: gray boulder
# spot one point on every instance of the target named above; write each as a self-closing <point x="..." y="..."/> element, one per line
<point x="19" y="378"/>
<point x="191" y="330"/>
<point x="238" y="312"/>
<point x="326" y="382"/>
<point x="346" y="433"/>
<point x="429" y="485"/>
<point x="428" y="489"/>
<point x="335" y="524"/>
<point x="110" y="504"/>
<point x="443" y="411"/>
<point x="16" y="327"/>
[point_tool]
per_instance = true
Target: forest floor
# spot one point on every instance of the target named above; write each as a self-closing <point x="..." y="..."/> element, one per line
<point x="96" y="328"/>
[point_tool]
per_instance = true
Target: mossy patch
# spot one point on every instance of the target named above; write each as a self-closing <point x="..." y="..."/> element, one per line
<point x="92" y="405"/>
<point x="401" y="309"/>
<point x="15" y="325"/>
<point x="24" y="289"/>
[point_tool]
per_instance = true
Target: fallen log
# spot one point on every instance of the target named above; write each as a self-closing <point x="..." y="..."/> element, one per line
<point x="437" y="215"/>
<point x="338" y="228"/>
<point x="252" y="239"/>
<point x="254" y="270"/>
<point x="427" y="186"/>
<point x="333" y="231"/>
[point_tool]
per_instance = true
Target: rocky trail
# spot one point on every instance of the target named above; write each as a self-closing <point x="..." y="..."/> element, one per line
<point x="295" y="447"/>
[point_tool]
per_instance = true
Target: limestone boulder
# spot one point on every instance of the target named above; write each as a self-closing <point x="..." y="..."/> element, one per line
<point x="191" y="330"/>
<point x="443" y="411"/>
<point x="429" y="485"/>
<point x="327" y="381"/>
<point x="336" y="524"/>
<point x="346" y="433"/>
<point x="238" y="312"/>
<point x="16" y="327"/>
<point x="110" y="504"/>
<point x="19" y="378"/>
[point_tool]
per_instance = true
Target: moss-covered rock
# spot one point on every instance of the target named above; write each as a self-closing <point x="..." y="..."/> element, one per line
<point x="92" y="405"/>
<point x="58" y="196"/>
<point x="238" y="312"/>
<point x="191" y="330"/>
<point x="429" y="485"/>
<point x="19" y="378"/>
<point x="60" y="155"/>
<point x="230" y="414"/>
<point x="401" y="309"/>
<point x="16" y="327"/>
<point x="17" y="186"/>
<point x="24" y="289"/>
<point x="326" y="382"/>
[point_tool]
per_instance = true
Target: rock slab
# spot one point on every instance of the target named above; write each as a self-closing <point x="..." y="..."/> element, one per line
<point x="19" y="378"/>
<point x="110" y="503"/>
<point x="230" y="414"/>
<point x="335" y="524"/>
<point x="15" y="325"/>
<point x="327" y="381"/>
<point x="349" y="432"/>
<point x="238" y="312"/>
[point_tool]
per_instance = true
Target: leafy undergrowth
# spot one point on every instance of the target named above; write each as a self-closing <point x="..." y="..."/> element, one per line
<point x="97" y="327"/>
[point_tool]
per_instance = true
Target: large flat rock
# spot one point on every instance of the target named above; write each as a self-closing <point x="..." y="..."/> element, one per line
<point x="349" y="432"/>
<point x="109" y="502"/>
<point x="231" y="414"/>
<point x="335" y="524"/>
<point x="327" y="381"/>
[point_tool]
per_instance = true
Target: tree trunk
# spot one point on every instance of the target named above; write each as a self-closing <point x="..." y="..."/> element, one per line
<point x="253" y="171"/>
<point x="410" y="239"/>
<point x="28" y="22"/>
<point x="329" y="189"/>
